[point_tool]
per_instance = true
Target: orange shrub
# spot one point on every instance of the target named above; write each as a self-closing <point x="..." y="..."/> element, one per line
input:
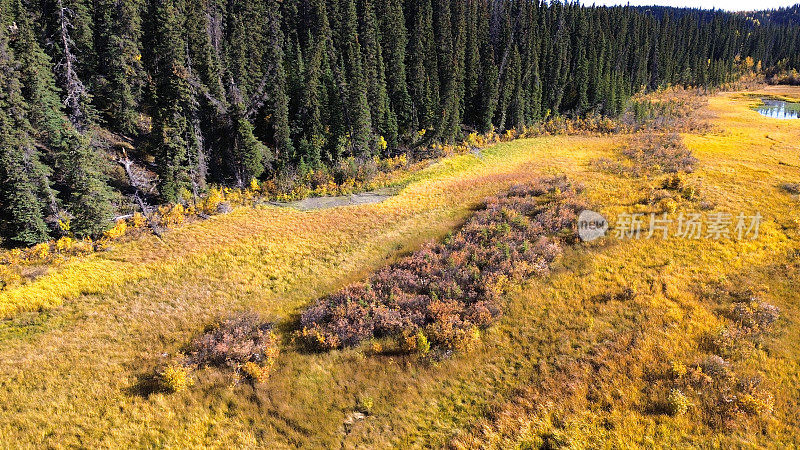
<point x="117" y="231"/>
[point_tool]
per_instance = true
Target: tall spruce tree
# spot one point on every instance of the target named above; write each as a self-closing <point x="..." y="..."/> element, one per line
<point x="359" y="119"/>
<point x="173" y="137"/>
<point x="119" y="75"/>
<point x="394" y="41"/>
<point x="276" y="84"/>
<point x="423" y="74"/>
<point x="310" y="104"/>
<point x="384" y="120"/>
<point x="447" y="108"/>
<point x="23" y="177"/>
<point x="77" y="165"/>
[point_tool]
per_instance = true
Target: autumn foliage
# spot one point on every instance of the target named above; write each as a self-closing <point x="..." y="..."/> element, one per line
<point x="244" y="344"/>
<point x="448" y="291"/>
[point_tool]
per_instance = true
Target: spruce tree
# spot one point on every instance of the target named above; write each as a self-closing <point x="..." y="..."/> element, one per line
<point x="77" y="165"/>
<point x="118" y="78"/>
<point x="22" y="209"/>
<point x="459" y="25"/>
<point x="276" y="84"/>
<point x="172" y="135"/>
<point x="444" y="115"/>
<point x="384" y="121"/>
<point x="249" y="154"/>
<point x="581" y="65"/>
<point x="489" y="80"/>
<point x="394" y="41"/>
<point x="357" y="105"/>
<point x="309" y="109"/>
<point x="423" y="74"/>
<point x="332" y="96"/>
<point x="472" y="61"/>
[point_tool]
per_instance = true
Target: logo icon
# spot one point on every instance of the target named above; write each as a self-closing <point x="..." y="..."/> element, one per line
<point x="591" y="225"/>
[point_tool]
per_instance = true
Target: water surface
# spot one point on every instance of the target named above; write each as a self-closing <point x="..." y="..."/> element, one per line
<point x="779" y="109"/>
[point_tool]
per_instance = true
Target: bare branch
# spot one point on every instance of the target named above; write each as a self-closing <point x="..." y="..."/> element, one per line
<point x="76" y="92"/>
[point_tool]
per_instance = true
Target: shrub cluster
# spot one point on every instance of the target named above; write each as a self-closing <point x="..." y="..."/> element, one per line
<point x="245" y="344"/>
<point x="648" y="154"/>
<point x="791" y="188"/>
<point x="725" y="394"/>
<point x="590" y="124"/>
<point x="670" y="109"/>
<point x="788" y="77"/>
<point x="659" y="153"/>
<point x="750" y="320"/>
<point x="443" y="294"/>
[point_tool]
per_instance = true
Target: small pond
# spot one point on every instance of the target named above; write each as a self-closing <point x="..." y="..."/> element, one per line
<point x="779" y="109"/>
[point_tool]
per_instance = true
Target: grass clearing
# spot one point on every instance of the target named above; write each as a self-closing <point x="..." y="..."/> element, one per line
<point x="568" y="363"/>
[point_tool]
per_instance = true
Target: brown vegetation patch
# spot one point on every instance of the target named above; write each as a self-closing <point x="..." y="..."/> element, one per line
<point x="449" y="291"/>
<point x="648" y="154"/>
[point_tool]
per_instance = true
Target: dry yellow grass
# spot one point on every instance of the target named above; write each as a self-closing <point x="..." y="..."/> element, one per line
<point x="71" y="373"/>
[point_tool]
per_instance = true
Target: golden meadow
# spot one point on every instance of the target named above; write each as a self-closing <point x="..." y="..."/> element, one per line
<point x="571" y="362"/>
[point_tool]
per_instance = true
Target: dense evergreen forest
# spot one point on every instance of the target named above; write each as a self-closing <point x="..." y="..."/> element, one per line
<point x="225" y="91"/>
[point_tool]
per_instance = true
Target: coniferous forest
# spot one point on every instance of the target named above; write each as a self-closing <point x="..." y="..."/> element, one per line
<point x="225" y="92"/>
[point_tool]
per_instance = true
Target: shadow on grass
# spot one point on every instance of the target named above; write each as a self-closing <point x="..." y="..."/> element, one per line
<point x="146" y="385"/>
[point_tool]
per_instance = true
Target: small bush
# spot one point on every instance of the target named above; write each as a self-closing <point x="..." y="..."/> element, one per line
<point x="791" y="188"/>
<point x="422" y="344"/>
<point x="365" y="404"/>
<point x="257" y="372"/>
<point x="675" y="182"/>
<point x="174" y="378"/>
<point x="716" y="367"/>
<point x="117" y="231"/>
<point x="39" y="251"/>
<point x="244" y="344"/>
<point x="725" y="341"/>
<point x="657" y="195"/>
<point x="171" y="215"/>
<point x="64" y="244"/>
<point x="212" y="201"/>
<point x="677" y="403"/>
<point x="754" y="316"/>
<point x="138" y="220"/>
<point x="668" y="205"/>
<point x="706" y="206"/>
<point x="678" y="369"/>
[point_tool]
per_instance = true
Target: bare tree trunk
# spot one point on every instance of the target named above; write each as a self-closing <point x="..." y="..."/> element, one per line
<point x="136" y="182"/>
<point x="197" y="158"/>
<point x="75" y="90"/>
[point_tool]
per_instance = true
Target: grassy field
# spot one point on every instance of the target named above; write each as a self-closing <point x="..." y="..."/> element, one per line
<point x="572" y="362"/>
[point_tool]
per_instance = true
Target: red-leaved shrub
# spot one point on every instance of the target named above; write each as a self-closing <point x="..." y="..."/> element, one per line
<point x="449" y="290"/>
<point x="234" y="343"/>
